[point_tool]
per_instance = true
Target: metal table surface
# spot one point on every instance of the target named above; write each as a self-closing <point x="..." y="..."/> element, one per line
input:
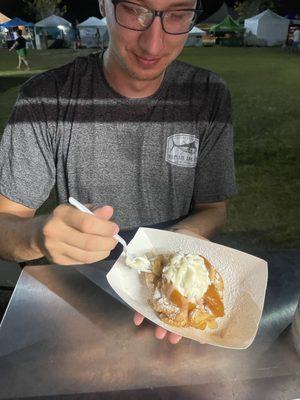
<point x="65" y="336"/>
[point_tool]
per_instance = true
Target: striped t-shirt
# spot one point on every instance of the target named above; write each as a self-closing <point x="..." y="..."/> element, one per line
<point x="149" y="158"/>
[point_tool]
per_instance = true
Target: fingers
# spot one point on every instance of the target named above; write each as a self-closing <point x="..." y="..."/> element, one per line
<point x="105" y="212"/>
<point x="87" y="242"/>
<point x="93" y="224"/>
<point x="160" y="333"/>
<point x="83" y="257"/>
<point x="174" y="338"/>
<point x="138" y="319"/>
<point x="63" y="254"/>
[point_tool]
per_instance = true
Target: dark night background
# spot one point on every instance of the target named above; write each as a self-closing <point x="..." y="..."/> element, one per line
<point x="82" y="9"/>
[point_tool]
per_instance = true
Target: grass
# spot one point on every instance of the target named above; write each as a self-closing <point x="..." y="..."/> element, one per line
<point x="265" y="91"/>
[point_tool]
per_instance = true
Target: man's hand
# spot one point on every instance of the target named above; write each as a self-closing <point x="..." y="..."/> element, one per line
<point x="69" y="236"/>
<point x="160" y="333"/>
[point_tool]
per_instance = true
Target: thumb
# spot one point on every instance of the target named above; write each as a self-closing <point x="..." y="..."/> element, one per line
<point x="105" y="212"/>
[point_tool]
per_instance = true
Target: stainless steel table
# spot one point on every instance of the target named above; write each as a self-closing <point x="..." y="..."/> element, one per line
<point x="65" y="336"/>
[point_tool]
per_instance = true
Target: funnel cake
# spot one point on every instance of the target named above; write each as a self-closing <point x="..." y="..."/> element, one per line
<point x="185" y="290"/>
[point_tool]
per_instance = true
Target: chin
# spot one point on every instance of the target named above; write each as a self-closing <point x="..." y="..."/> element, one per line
<point x="146" y="75"/>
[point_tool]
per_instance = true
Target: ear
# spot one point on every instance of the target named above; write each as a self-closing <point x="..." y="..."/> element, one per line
<point x="102" y="8"/>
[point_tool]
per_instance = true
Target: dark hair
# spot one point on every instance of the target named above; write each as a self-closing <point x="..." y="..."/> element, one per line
<point x="19" y="32"/>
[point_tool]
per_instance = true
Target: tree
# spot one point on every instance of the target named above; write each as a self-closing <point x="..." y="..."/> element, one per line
<point x="249" y="8"/>
<point x="40" y="9"/>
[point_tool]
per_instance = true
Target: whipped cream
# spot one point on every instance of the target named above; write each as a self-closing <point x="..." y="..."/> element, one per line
<point x="188" y="274"/>
<point x="142" y="264"/>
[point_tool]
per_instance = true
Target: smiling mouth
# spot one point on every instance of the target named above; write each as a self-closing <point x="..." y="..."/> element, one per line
<point x="147" y="62"/>
<point x="148" y="59"/>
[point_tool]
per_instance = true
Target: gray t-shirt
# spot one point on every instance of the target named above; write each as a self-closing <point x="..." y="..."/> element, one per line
<point x="150" y="158"/>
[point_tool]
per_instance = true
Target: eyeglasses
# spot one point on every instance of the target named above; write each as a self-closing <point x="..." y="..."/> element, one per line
<point x="139" y="18"/>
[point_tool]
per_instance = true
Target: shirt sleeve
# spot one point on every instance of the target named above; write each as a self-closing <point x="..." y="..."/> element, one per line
<point x="215" y="172"/>
<point x="27" y="166"/>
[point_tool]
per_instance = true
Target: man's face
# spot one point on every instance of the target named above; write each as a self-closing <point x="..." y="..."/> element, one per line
<point x="144" y="55"/>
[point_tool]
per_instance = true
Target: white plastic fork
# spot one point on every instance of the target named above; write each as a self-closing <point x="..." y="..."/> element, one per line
<point x="131" y="260"/>
<point x="83" y="208"/>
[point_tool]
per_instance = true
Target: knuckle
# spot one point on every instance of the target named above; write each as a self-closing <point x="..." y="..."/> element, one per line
<point x="60" y="210"/>
<point x="86" y="224"/>
<point x="47" y="229"/>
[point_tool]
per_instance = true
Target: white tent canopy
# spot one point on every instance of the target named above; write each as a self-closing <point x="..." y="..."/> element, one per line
<point x="266" y="28"/>
<point x="92" y="22"/>
<point x="197" y="32"/>
<point x="53" y="22"/>
<point x="55" y="26"/>
<point x="93" y="32"/>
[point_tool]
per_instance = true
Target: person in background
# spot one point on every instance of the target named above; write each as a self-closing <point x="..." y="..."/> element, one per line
<point x="98" y="39"/>
<point x="72" y="37"/>
<point x="20" y="46"/>
<point x="15" y="34"/>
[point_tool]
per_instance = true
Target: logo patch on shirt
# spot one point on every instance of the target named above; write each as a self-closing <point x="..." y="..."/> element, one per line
<point x="182" y="150"/>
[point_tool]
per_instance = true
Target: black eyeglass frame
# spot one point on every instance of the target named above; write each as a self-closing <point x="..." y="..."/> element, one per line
<point x="156" y="13"/>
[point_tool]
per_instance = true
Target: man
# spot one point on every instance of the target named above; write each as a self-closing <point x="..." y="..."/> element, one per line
<point x="20" y="46"/>
<point x="146" y="137"/>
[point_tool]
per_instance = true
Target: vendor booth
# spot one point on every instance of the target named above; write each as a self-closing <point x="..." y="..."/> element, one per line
<point x="195" y="37"/>
<point x="266" y="29"/>
<point x="93" y="32"/>
<point x="53" y="31"/>
<point x="228" y="32"/>
<point x="3" y="31"/>
<point x="10" y="27"/>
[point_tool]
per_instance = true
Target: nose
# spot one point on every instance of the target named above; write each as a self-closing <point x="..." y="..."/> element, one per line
<point x="152" y="39"/>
